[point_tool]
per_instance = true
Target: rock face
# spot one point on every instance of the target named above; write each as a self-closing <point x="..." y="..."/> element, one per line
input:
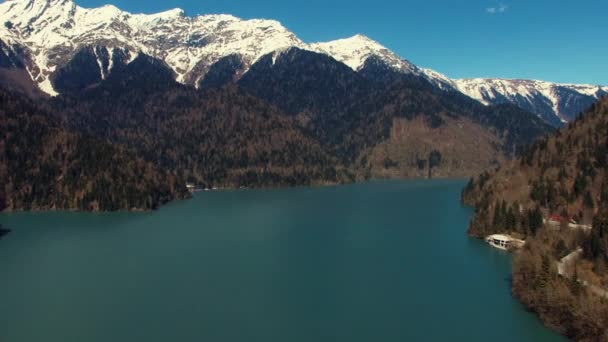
<point x="555" y="103"/>
<point x="55" y="31"/>
<point x="64" y="47"/>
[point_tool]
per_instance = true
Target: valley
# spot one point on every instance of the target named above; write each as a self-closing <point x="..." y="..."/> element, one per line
<point x="258" y="109"/>
<point x="104" y="110"/>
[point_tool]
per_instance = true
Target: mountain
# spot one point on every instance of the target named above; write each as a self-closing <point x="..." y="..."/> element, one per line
<point x="555" y="196"/>
<point x="54" y="31"/>
<point x="296" y="118"/>
<point x="252" y="107"/>
<point x="43" y="166"/>
<point x="386" y="124"/>
<point x="63" y="47"/>
<point x="210" y="137"/>
<point x="340" y="105"/>
<point x="555" y="103"/>
<point x="357" y="50"/>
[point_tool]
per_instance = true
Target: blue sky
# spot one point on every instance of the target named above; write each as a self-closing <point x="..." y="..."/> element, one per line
<point x="553" y="40"/>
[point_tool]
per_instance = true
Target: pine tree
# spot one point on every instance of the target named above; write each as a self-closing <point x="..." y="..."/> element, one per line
<point x="535" y="220"/>
<point x="588" y="200"/>
<point x="545" y="272"/>
<point x="575" y="286"/>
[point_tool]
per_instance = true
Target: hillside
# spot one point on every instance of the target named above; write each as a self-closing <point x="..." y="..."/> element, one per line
<point x="45" y="167"/>
<point x="214" y="138"/>
<point x="295" y="118"/>
<point x="562" y="179"/>
<point x="356" y="110"/>
<point x="306" y="119"/>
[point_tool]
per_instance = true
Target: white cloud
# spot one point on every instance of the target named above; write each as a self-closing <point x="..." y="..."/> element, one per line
<point x="502" y="8"/>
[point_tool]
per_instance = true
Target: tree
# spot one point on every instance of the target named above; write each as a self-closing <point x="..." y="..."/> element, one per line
<point x="561" y="249"/>
<point x="575" y="285"/>
<point x="588" y="200"/>
<point x="597" y="244"/>
<point x="9" y="25"/>
<point x="580" y="184"/>
<point x="535" y="220"/>
<point x="545" y="273"/>
<point x="511" y="219"/>
<point x="434" y="159"/>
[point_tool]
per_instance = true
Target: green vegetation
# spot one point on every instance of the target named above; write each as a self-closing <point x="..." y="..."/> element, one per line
<point x="562" y="178"/>
<point x="9" y="25"/>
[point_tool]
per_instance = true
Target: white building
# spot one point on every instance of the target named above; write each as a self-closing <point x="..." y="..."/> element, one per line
<point x="504" y="242"/>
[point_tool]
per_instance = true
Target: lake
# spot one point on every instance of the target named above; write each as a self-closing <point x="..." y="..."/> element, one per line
<point x="380" y="261"/>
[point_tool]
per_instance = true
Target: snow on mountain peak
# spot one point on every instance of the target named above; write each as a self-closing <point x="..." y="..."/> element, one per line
<point x="54" y="30"/>
<point x="551" y="100"/>
<point x="354" y="51"/>
<point x="51" y="32"/>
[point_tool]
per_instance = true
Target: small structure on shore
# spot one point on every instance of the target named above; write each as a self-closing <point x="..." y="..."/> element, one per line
<point x="567" y="263"/>
<point x="555" y="222"/>
<point x="504" y="242"/>
<point x="576" y="226"/>
<point x="566" y="268"/>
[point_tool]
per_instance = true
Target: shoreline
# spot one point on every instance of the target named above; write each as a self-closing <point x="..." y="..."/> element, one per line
<point x="227" y="188"/>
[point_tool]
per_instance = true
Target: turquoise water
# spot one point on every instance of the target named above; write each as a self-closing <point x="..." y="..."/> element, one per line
<point x="382" y="261"/>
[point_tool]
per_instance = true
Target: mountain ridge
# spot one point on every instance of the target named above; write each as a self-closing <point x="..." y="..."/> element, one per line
<point x="51" y="32"/>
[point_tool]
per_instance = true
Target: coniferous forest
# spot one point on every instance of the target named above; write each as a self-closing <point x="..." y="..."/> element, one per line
<point x="555" y="196"/>
<point x="151" y="134"/>
<point x="43" y="166"/>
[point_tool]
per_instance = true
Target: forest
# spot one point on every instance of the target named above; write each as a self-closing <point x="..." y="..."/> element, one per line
<point x="555" y="195"/>
<point x="133" y="139"/>
<point x="45" y="167"/>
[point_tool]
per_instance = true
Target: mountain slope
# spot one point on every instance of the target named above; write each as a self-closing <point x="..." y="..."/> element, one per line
<point x="215" y="138"/>
<point x="555" y="103"/>
<point x="296" y="118"/>
<point x="337" y="102"/>
<point x="55" y="30"/>
<point x="561" y="178"/>
<point x="357" y="50"/>
<point x="49" y="37"/>
<point x="45" y="167"/>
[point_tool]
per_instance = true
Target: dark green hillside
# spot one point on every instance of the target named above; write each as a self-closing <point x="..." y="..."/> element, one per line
<point x="304" y="119"/>
<point x="43" y="166"/>
<point x="353" y="110"/>
<point x="215" y="138"/>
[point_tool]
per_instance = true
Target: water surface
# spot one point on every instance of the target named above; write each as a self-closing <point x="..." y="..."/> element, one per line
<point x="382" y="261"/>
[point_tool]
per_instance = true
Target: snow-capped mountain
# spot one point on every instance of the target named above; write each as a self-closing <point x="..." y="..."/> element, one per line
<point x="45" y="37"/>
<point x="552" y="101"/>
<point x="55" y="30"/>
<point x="356" y="50"/>
<point x="556" y="103"/>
